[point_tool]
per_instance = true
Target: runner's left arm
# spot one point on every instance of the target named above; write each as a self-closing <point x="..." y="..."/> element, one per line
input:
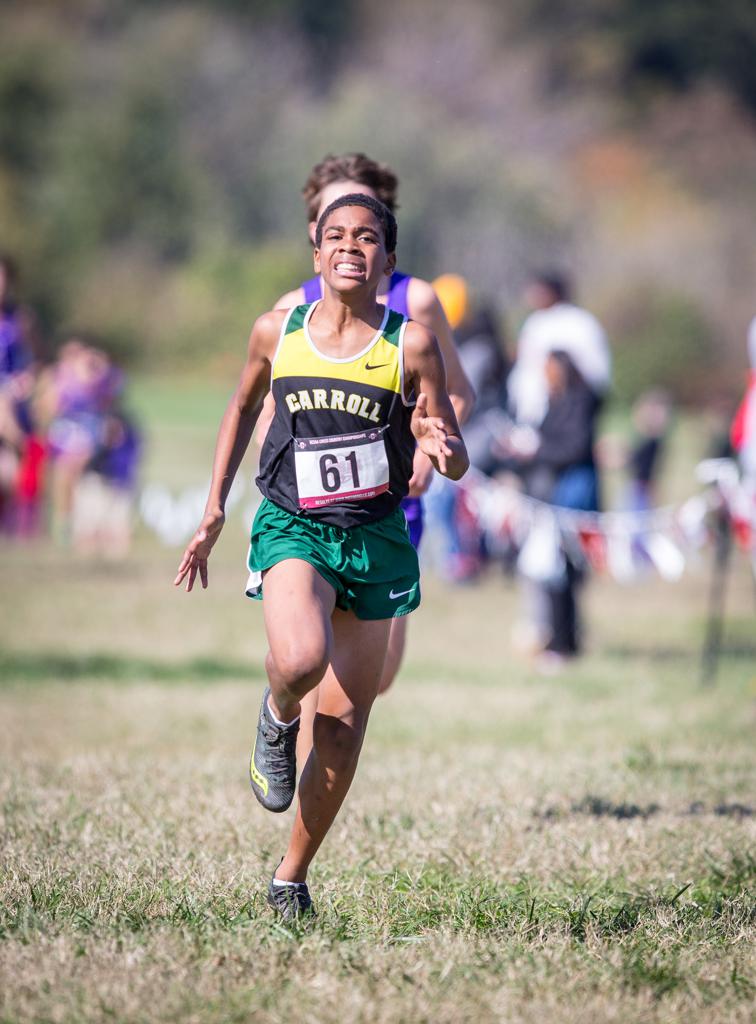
<point x="425" y="308"/>
<point x="434" y="422"/>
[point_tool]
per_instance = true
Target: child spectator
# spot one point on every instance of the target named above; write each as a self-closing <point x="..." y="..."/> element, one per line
<point x="102" y="514"/>
<point x="651" y="416"/>
<point x="84" y="386"/>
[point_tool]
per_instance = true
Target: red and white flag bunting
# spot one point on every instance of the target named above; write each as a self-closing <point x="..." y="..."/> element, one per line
<point x="626" y="544"/>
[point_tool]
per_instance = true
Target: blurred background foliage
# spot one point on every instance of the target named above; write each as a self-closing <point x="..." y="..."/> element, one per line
<point x="152" y="154"/>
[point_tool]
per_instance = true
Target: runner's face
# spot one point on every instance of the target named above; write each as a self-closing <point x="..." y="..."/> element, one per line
<point x="352" y="251"/>
<point x="333" y="191"/>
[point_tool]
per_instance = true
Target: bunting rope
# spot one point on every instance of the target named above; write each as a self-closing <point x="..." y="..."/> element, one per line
<point x="623" y="542"/>
<point x="575" y="519"/>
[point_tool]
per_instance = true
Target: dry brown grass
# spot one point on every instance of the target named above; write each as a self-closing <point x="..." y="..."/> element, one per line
<point x="513" y="849"/>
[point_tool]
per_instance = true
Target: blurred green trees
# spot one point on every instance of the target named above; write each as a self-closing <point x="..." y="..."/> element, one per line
<point x="650" y="43"/>
<point x="152" y="153"/>
<point x="665" y="341"/>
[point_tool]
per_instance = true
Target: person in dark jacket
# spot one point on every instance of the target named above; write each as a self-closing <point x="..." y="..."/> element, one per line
<point x="561" y="470"/>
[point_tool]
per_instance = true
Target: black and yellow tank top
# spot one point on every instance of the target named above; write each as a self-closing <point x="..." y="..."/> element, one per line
<point x="340" y="447"/>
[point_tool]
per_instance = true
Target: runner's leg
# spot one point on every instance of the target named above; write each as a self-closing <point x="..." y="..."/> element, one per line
<point x="395" y="652"/>
<point x="345" y="697"/>
<point x="297" y="604"/>
<point x="309" y="704"/>
<point x="394" y="655"/>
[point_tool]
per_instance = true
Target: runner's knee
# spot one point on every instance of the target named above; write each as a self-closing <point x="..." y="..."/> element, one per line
<point x="300" y="666"/>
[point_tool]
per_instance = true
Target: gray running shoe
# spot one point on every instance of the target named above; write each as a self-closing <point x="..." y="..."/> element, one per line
<point x="290" y="901"/>
<point x="273" y="764"/>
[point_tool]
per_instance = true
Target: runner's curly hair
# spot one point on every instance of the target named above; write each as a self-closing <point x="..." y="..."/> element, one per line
<point x="381" y="212"/>
<point x="354" y="167"/>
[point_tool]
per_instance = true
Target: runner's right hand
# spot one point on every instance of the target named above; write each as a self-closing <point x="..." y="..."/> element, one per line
<point x="198" y="550"/>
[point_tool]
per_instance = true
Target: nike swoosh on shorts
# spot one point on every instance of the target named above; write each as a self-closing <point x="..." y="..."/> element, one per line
<point x="402" y="593"/>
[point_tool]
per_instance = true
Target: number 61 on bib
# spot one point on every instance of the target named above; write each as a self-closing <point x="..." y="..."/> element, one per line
<point x="348" y="467"/>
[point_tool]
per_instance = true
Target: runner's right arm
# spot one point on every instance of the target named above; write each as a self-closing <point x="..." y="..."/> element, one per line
<point x="233" y="440"/>
<point x="287" y="301"/>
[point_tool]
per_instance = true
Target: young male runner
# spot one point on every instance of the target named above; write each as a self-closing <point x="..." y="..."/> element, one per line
<point x="356" y="388"/>
<point x="333" y="177"/>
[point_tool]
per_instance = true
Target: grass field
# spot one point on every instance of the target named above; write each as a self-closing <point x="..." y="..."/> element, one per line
<point x="515" y="848"/>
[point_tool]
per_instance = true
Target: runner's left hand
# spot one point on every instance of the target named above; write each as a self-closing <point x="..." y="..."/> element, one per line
<point x="430" y="433"/>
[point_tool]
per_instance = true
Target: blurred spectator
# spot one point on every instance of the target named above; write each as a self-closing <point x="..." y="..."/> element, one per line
<point x="555" y="324"/>
<point x="484" y="360"/>
<point x="21" y="453"/>
<point x="29" y="487"/>
<point x="743" y="430"/>
<point x="84" y="386"/>
<point x="103" y="501"/>
<point x="651" y="418"/>
<point x="558" y="467"/>
<point x="482" y="356"/>
<point x="561" y="468"/>
<point x="640" y="458"/>
<point x="15" y="356"/>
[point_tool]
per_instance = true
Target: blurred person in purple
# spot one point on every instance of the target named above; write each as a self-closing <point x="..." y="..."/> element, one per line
<point x="83" y="388"/>
<point x="16" y="385"/>
<point x="15" y="356"/>
<point x="103" y="501"/>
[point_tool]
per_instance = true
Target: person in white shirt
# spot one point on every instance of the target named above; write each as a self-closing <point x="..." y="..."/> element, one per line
<point x="555" y="324"/>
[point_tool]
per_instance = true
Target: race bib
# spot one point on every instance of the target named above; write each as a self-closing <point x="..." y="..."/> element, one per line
<point x="348" y="467"/>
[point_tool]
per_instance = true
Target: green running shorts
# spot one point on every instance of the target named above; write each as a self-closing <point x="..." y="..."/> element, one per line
<point x="373" y="569"/>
